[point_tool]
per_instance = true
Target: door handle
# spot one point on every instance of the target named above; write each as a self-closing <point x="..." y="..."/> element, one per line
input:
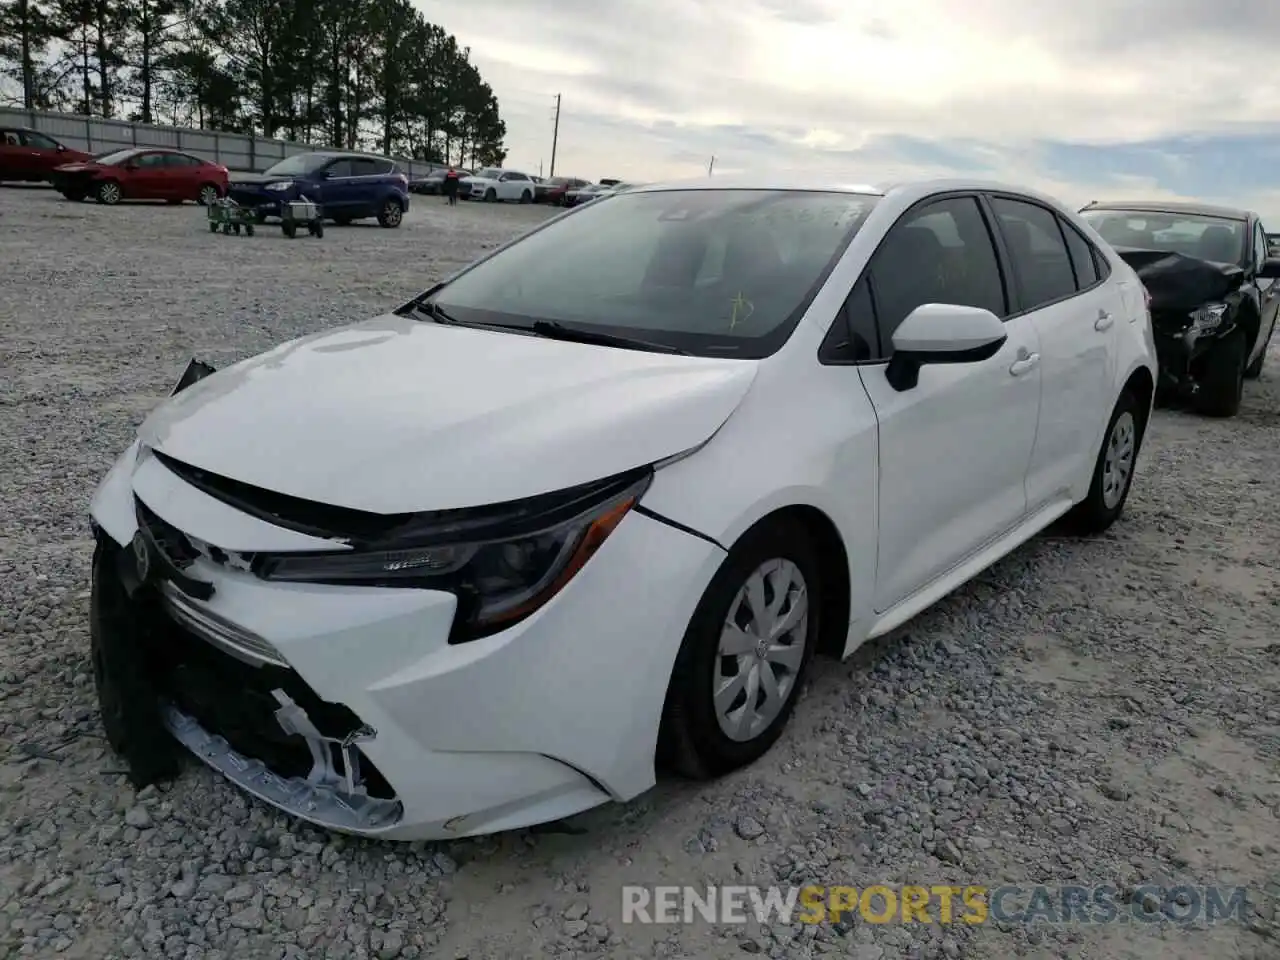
<point x="1025" y="363"/>
<point x="1103" y="322"/>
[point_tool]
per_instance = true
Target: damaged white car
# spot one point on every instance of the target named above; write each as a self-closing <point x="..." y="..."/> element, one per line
<point x="597" y="500"/>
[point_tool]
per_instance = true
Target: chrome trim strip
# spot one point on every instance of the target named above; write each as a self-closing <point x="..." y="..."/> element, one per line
<point x="231" y="639"/>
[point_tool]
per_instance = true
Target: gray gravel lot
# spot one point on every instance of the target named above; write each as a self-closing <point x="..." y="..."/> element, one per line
<point x="1085" y="713"/>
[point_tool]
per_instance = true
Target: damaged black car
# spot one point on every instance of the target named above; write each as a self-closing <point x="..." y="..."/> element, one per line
<point x="1214" y="287"/>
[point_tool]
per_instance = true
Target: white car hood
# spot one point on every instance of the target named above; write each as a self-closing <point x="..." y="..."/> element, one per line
<point x="400" y="415"/>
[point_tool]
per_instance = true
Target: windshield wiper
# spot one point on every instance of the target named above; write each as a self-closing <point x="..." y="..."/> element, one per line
<point x="555" y="330"/>
<point x="436" y="312"/>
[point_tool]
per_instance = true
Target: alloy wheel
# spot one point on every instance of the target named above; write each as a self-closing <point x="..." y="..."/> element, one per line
<point x="762" y="648"/>
<point x="208" y="195"/>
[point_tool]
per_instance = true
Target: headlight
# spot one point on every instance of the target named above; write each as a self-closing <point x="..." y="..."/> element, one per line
<point x="281" y="185"/>
<point x="503" y="563"/>
<point x="1209" y="317"/>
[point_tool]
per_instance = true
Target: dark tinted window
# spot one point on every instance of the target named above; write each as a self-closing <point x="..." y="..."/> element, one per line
<point x="151" y="160"/>
<point x="860" y="321"/>
<point x="339" y="168"/>
<point x="1083" y="257"/>
<point x="38" y="141"/>
<point x="364" y="167"/>
<point x="181" y="160"/>
<point x="10" y="138"/>
<point x="384" y="167"/>
<point x="938" y="253"/>
<point x="1038" y="251"/>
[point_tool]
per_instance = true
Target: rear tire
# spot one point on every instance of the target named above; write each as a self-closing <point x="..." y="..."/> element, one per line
<point x="1222" y="386"/>
<point x="1113" y="469"/>
<point x="694" y="737"/>
<point x="391" y="214"/>
<point x="526" y="197"/>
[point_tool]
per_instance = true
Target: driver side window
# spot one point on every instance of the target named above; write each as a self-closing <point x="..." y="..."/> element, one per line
<point x="940" y="252"/>
<point x="1259" y="246"/>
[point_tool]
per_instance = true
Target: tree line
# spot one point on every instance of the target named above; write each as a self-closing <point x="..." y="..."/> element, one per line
<point x="343" y="73"/>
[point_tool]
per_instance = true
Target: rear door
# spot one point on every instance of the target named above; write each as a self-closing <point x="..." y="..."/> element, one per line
<point x="182" y="175"/>
<point x="1076" y="315"/>
<point x="367" y="185"/>
<point x="147" y="177"/>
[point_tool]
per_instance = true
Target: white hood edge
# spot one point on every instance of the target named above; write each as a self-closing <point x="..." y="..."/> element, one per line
<point x="400" y="415"/>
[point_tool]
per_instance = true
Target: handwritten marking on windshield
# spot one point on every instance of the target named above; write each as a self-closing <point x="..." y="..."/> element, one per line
<point x="742" y="309"/>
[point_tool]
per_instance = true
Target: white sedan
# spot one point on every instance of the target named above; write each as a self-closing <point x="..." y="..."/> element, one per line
<point x="597" y="500"/>
<point x="494" y="184"/>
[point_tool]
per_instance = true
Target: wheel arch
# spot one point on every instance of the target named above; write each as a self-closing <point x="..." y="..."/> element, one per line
<point x="833" y="562"/>
<point x="1142" y="385"/>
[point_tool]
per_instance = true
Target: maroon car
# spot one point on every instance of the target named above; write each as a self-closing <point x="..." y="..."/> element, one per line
<point x="27" y="154"/>
<point x="554" y="189"/>
<point x="143" y="173"/>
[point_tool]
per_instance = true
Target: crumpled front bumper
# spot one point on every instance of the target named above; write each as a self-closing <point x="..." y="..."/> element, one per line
<point x="551" y="717"/>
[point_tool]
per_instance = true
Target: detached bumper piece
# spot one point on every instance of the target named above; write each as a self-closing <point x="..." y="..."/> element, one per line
<point x="165" y="674"/>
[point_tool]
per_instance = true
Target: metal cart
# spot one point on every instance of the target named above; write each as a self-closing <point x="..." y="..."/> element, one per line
<point x="301" y="213"/>
<point x="230" y="217"/>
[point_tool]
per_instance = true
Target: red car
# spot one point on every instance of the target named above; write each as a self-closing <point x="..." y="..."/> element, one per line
<point x="27" y="154"/>
<point x="142" y="173"/>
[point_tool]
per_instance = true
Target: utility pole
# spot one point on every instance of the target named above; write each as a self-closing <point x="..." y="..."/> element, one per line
<point x="555" y="137"/>
<point x="712" y="165"/>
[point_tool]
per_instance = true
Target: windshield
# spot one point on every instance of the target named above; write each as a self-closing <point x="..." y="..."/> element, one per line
<point x="115" y="157"/>
<point x="294" y="166"/>
<point x="708" y="272"/>
<point x="489" y="173"/>
<point x="1206" y="238"/>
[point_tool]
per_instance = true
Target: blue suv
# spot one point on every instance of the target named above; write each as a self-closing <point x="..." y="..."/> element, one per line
<point x="348" y="186"/>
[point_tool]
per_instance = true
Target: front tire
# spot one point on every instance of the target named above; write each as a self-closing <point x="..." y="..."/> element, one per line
<point x="1113" y="470"/>
<point x="490" y="195"/>
<point x="109" y="193"/>
<point x="737" y="676"/>
<point x="1222" y="386"/>
<point x="526" y="197"/>
<point x="208" y="195"/>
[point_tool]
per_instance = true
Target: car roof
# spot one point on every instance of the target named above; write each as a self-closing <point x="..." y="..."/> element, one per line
<point x="1173" y="206"/>
<point x="908" y="191"/>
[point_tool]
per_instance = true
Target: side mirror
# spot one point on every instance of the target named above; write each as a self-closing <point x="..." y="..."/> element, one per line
<point x="942" y="333"/>
<point x="60" y="148"/>
<point x="1270" y="269"/>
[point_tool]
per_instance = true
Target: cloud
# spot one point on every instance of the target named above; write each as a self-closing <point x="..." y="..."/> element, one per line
<point x="1088" y="100"/>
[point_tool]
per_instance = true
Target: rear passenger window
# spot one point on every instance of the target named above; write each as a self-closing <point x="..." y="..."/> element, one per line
<point x="362" y="167"/>
<point x="1082" y="257"/>
<point x="1038" y="251"/>
<point x="937" y="253"/>
<point x="339" y="168"/>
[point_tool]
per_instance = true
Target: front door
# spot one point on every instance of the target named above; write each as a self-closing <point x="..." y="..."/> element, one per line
<point x="147" y="178"/>
<point x="954" y="449"/>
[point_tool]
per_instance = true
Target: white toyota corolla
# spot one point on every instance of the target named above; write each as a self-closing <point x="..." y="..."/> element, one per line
<point x="596" y="501"/>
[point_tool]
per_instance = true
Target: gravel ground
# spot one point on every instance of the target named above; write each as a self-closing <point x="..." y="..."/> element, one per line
<point x="1086" y="712"/>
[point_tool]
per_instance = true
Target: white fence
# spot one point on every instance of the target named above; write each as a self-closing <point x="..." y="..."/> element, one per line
<point x="235" y="151"/>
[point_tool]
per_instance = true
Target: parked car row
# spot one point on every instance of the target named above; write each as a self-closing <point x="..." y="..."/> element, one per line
<point x="348" y="186"/>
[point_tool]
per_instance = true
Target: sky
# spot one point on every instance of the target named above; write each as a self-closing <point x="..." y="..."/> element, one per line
<point x="1086" y="100"/>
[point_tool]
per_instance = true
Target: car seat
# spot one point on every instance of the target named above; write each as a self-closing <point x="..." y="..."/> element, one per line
<point x="1219" y="244"/>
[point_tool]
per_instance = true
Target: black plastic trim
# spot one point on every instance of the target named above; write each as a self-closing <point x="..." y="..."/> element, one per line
<point x="646" y="512"/>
